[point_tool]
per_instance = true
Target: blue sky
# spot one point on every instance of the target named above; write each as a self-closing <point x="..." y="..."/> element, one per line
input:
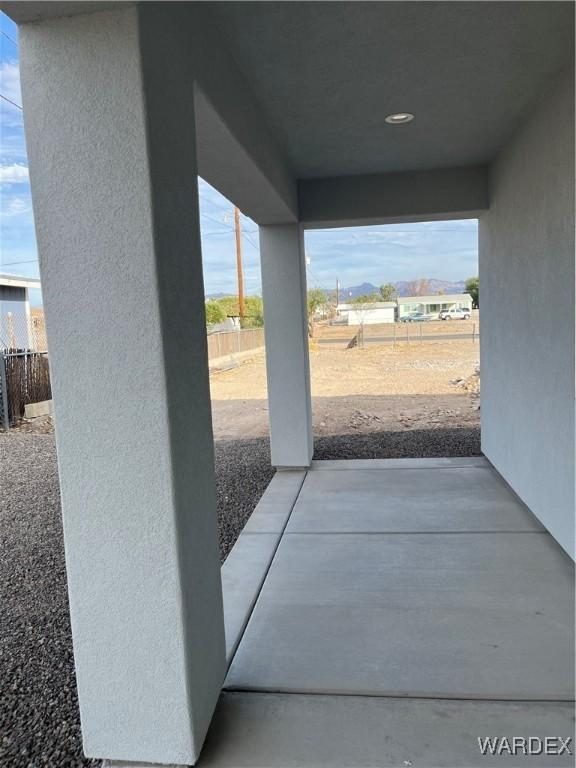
<point x="377" y="254"/>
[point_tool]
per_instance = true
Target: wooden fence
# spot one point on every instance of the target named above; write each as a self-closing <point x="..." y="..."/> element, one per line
<point x="226" y="343"/>
<point x="24" y="379"/>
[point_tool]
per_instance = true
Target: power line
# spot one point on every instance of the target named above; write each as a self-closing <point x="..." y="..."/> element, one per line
<point x="220" y="206"/>
<point x="245" y="233"/>
<point x="14" y="263"/>
<point x="225" y="224"/>
<point x="10" y="101"/>
<point x="216" y="221"/>
<point x="316" y="279"/>
<point x="252" y="243"/>
<point x="6" y="35"/>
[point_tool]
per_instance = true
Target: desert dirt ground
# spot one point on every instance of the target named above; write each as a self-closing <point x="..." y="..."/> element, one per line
<point x="375" y="388"/>
<point x="412" y="331"/>
<point x="415" y="385"/>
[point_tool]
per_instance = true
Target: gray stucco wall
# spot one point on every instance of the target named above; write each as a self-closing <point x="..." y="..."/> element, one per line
<point x="527" y="313"/>
<point x="110" y="136"/>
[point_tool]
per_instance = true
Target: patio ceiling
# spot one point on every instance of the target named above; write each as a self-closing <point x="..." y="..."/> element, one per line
<point x="291" y="98"/>
<point x="326" y="76"/>
<point x="323" y="76"/>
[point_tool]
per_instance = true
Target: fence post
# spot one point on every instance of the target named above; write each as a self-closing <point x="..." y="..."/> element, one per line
<point x="407" y="337"/>
<point x="4" y="393"/>
<point x="394" y="342"/>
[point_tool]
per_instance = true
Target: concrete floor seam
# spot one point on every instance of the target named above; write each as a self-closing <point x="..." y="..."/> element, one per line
<point x="394" y="469"/>
<point x="265" y="576"/>
<point x="256" y="691"/>
<point x="402" y="533"/>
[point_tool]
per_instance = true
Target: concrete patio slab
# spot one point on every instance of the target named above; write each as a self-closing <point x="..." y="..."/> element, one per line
<point x="273" y="509"/>
<point x="290" y="731"/>
<point x="395" y="648"/>
<point x="469" y="498"/>
<point x="467" y="615"/>
<point x="243" y="574"/>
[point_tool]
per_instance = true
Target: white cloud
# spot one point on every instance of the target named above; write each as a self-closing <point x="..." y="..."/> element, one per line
<point x="16" y="173"/>
<point x="15" y="206"/>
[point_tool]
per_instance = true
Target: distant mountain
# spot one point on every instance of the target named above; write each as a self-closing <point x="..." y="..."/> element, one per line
<point x="405" y="288"/>
<point x="358" y="290"/>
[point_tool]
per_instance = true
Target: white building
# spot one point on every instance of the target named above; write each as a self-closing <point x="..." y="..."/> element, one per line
<point x="370" y="313"/>
<point x="461" y="625"/>
<point x="433" y="305"/>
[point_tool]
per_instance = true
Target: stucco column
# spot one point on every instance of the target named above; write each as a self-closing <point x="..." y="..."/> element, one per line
<point x="110" y="131"/>
<point x="286" y="333"/>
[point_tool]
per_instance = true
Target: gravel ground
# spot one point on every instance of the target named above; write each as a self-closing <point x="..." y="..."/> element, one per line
<point x="243" y="472"/>
<point x="417" y="443"/>
<point x="38" y="709"/>
<point x="39" y="723"/>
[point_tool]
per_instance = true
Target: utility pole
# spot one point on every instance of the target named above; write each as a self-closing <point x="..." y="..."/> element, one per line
<point x="337" y="292"/>
<point x="239" y="269"/>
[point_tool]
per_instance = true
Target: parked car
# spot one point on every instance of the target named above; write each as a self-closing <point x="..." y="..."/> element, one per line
<point x="416" y="317"/>
<point x="455" y="314"/>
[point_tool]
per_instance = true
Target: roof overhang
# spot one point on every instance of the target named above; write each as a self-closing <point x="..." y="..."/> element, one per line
<point x="19" y="281"/>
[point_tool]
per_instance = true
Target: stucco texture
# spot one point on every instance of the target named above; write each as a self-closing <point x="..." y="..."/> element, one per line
<point x="527" y="319"/>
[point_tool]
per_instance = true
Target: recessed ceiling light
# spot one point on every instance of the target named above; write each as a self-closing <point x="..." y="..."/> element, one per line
<point x="399" y="117"/>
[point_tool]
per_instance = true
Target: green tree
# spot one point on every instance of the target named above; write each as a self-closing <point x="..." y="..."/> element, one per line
<point x="214" y="313"/>
<point x="317" y="299"/>
<point x="473" y="288"/>
<point x="228" y="305"/>
<point x="388" y="292"/>
<point x="254" y="312"/>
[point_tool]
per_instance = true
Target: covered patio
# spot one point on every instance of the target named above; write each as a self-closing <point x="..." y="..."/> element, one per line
<point x="392" y="612"/>
<point x="374" y="613"/>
